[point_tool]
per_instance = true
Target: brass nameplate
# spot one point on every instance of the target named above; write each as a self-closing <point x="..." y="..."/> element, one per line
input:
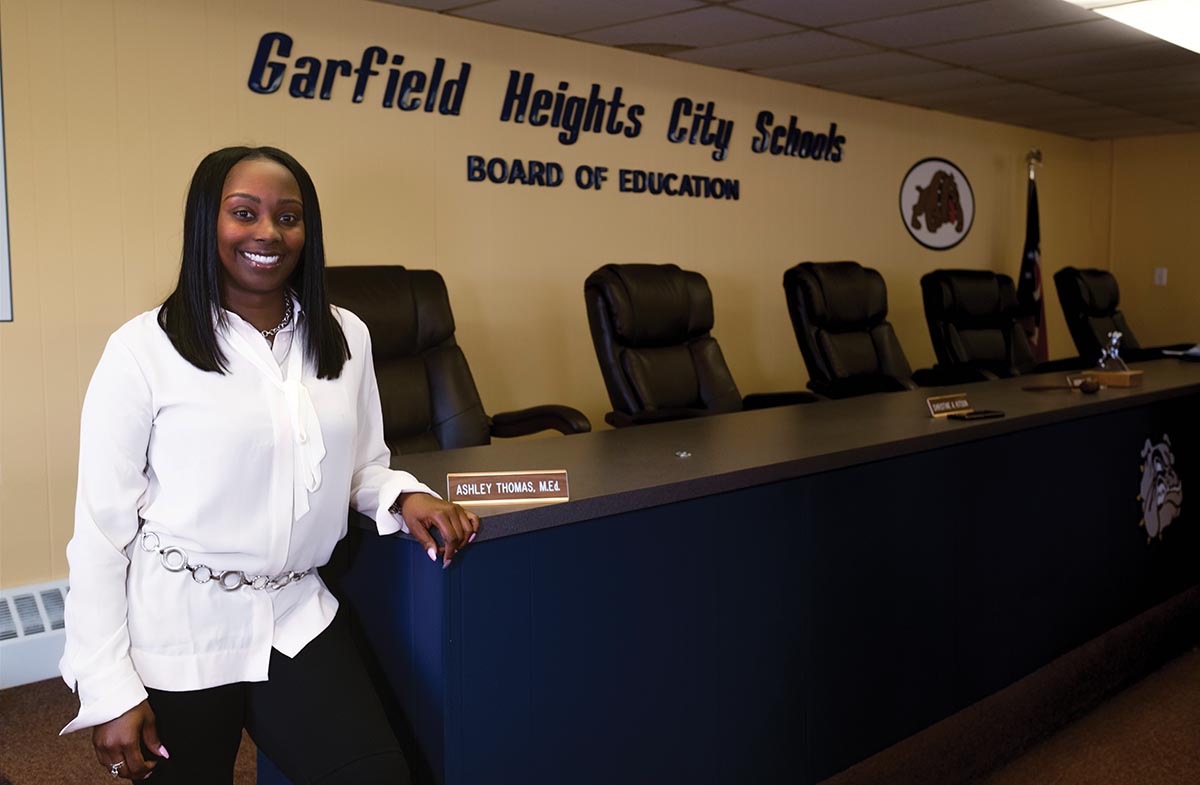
<point x="946" y="405"/>
<point x="507" y="487"/>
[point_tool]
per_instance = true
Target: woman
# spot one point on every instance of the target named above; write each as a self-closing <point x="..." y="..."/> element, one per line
<point x="223" y="436"/>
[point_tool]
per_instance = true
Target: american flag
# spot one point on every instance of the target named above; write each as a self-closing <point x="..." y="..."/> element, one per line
<point x="1029" y="286"/>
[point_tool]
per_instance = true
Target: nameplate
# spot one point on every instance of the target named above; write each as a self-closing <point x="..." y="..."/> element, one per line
<point x="507" y="487"/>
<point x="946" y="405"/>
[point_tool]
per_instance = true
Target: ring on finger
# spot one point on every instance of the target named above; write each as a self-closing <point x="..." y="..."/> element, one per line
<point x="114" y="770"/>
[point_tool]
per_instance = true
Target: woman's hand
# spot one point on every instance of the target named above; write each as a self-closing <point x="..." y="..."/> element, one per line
<point x="120" y="741"/>
<point x="423" y="512"/>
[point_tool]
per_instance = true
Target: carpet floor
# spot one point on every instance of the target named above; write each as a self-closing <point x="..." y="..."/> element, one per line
<point x="1149" y="734"/>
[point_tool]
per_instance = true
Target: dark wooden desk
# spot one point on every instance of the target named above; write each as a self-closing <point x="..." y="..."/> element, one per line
<point x="806" y="587"/>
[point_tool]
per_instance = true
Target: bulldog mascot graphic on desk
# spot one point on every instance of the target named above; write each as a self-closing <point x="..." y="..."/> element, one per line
<point x="1162" y="491"/>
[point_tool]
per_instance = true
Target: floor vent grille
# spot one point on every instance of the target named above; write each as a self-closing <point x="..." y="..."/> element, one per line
<point x="31" y="632"/>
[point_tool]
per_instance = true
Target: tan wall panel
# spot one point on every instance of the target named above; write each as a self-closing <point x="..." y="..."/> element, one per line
<point x="26" y="400"/>
<point x="110" y="105"/>
<point x="1155" y="207"/>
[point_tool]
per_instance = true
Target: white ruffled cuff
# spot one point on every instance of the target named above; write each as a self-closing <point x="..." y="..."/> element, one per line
<point x="402" y="482"/>
<point x="120" y="695"/>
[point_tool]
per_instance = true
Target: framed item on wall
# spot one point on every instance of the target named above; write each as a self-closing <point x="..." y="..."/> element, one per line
<point x="6" y="314"/>
<point x="937" y="204"/>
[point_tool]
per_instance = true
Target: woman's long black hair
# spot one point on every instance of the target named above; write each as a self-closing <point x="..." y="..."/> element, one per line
<point x="187" y="315"/>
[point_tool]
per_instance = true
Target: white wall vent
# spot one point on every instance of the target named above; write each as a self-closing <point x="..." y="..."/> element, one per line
<point x="31" y="632"/>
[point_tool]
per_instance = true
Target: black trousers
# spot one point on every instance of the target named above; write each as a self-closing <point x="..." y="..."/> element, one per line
<point x="317" y="718"/>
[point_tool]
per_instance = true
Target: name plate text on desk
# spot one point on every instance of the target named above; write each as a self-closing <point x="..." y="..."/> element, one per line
<point x="945" y="405"/>
<point x="547" y="485"/>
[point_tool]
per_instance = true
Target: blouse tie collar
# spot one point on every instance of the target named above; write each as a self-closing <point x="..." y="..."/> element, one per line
<point x="308" y="444"/>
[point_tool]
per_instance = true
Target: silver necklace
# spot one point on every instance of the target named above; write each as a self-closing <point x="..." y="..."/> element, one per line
<point x="287" y="318"/>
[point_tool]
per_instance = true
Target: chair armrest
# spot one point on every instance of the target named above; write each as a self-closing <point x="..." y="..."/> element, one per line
<point x="946" y="375"/>
<point x="1065" y="364"/>
<point x="867" y="384"/>
<point x="550" y="417"/>
<point x="624" y="419"/>
<point x="771" y="400"/>
<point x="1155" y="352"/>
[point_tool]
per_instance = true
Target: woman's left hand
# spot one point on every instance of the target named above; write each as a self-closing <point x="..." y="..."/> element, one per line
<point x="423" y="513"/>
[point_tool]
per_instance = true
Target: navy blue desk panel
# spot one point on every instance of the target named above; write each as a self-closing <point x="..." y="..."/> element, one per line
<point x="810" y="586"/>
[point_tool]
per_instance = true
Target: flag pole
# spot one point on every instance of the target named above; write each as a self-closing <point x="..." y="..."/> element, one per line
<point x="1033" y="159"/>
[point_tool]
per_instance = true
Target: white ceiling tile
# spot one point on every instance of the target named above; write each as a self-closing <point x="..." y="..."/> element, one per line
<point x="910" y="85"/>
<point x="779" y="50"/>
<point x="1162" y="95"/>
<point x="433" y="5"/>
<point x="1187" y="116"/>
<point x="852" y="69"/>
<point x="559" y="18"/>
<point x="821" y="14"/>
<point x="1115" y="80"/>
<point x="1107" y="129"/>
<point x="971" y="20"/>
<point x="1179" y="111"/>
<point x="997" y="100"/>
<point x="709" y="26"/>
<point x="1063" y="39"/>
<point x="1125" y="58"/>
<point x="1038" y="63"/>
<point x="1045" y="114"/>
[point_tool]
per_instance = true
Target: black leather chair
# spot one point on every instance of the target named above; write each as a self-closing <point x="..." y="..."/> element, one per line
<point x="839" y="313"/>
<point x="972" y="318"/>
<point x="425" y="385"/>
<point x="651" y="328"/>
<point x="1089" y="301"/>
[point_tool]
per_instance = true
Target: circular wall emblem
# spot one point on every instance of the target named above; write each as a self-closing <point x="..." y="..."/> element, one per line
<point x="936" y="203"/>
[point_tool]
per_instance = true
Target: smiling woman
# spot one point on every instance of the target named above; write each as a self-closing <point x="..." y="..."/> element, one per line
<point x="223" y="437"/>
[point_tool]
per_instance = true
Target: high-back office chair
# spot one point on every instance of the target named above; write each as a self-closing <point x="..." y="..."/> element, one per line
<point x="839" y="313"/>
<point x="1090" y="300"/>
<point x="972" y="318"/>
<point x="425" y="385"/>
<point x="651" y="328"/>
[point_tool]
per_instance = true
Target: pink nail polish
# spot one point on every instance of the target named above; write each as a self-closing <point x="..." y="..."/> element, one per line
<point x="163" y="751"/>
<point x="472" y="537"/>
<point x="432" y="553"/>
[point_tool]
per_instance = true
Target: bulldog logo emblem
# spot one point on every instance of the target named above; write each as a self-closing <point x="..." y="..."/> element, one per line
<point x="939" y="203"/>
<point x="1162" y="492"/>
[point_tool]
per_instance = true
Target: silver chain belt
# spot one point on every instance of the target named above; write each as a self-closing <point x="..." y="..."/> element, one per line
<point x="175" y="559"/>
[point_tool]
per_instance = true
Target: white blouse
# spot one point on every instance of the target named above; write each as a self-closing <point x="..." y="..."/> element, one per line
<point x="250" y="470"/>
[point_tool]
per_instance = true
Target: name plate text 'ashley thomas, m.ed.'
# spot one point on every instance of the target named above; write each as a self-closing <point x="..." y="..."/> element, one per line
<point x="507" y="487"/>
